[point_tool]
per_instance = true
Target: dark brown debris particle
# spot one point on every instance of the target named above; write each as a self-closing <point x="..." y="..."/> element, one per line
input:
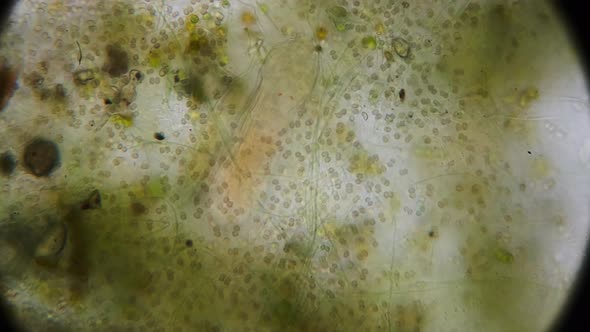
<point x="7" y="163"/>
<point x="60" y="91"/>
<point x="159" y="136"/>
<point x="117" y="62"/>
<point x="41" y="157"/>
<point x="433" y="233"/>
<point x="138" y="208"/>
<point x="189" y="243"/>
<point x="138" y="75"/>
<point x="93" y="201"/>
<point x="7" y="85"/>
<point x="402" y="94"/>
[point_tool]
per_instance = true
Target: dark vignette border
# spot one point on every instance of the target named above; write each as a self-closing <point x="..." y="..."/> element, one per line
<point x="575" y="315"/>
<point x="7" y="322"/>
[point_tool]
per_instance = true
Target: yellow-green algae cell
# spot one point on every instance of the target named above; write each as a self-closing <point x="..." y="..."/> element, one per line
<point x="290" y="165"/>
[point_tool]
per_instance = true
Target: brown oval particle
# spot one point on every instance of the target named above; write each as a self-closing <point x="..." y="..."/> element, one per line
<point x="41" y="157"/>
<point x="159" y="136"/>
<point x="7" y="163"/>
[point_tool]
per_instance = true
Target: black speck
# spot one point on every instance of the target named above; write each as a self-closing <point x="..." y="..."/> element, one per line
<point x="7" y="163"/>
<point x="159" y="136"/>
<point x="41" y="157"/>
<point x="108" y="101"/>
<point x="138" y="75"/>
<point x="176" y="78"/>
<point x="318" y="48"/>
<point x="189" y="243"/>
<point x="402" y="94"/>
<point x="529" y="152"/>
<point x="431" y="234"/>
<point x="60" y="91"/>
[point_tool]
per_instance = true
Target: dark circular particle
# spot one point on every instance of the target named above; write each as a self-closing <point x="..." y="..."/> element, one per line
<point x="41" y="157"/>
<point x="7" y="163"/>
<point x="189" y="243"/>
<point x="159" y="136"/>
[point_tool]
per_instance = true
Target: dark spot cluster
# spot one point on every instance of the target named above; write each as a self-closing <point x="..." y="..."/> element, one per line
<point x="138" y="208"/>
<point x="117" y="62"/>
<point x="192" y="86"/>
<point x="40" y="157"/>
<point x="44" y="90"/>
